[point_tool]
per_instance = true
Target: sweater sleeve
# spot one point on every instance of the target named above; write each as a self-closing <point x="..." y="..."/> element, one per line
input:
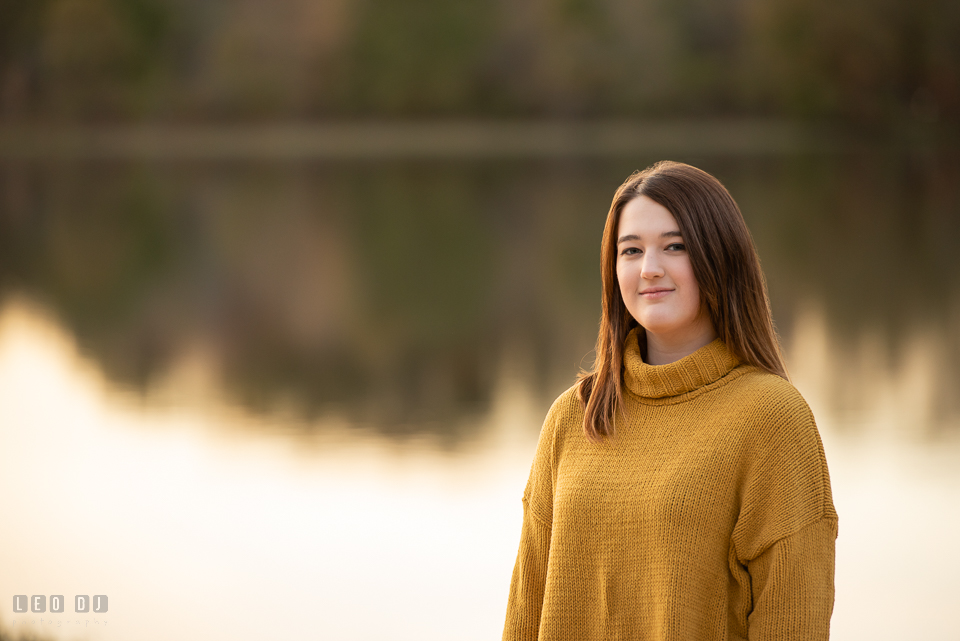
<point x="530" y="571"/>
<point x="792" y="585"/>
<point x="786" y="531"/>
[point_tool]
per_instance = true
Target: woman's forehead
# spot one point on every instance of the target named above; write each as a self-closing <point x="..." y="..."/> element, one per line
<point x="646" y="220"/>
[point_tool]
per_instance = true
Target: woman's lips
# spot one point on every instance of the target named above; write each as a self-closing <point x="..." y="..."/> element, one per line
<point x="655" y="295"/>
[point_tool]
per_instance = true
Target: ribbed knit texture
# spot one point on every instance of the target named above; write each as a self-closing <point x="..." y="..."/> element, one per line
<point x="707" y="516"/>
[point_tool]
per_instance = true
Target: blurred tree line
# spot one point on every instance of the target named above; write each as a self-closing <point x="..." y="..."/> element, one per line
<point x="871" y="61"/>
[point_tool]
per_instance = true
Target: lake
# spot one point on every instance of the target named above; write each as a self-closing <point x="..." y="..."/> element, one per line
<point x="250" y="399"/>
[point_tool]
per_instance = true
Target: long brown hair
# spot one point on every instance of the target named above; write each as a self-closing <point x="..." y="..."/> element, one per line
<point x="725" y="265"/>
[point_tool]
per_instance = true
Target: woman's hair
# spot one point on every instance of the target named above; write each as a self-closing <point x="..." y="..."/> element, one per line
<point x="725" y="265"/>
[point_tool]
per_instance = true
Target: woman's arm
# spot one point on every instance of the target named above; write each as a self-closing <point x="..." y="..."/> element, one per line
<point x="792" y="585"/>
<point x="529" y="578"/>
<point x="530" y="571"/>
<point x="786" y="534"/>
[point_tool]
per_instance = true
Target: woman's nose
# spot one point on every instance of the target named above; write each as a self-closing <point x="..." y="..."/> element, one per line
<point x="650" y="267"/>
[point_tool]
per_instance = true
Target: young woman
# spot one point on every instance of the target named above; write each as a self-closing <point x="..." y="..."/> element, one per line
<point x="680" y="490"/>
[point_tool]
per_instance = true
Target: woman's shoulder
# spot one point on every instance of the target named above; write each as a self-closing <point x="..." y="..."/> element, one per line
<point x="773" y="404"/>
<point x="766" y="388"/>
<point x="567" y="409"/>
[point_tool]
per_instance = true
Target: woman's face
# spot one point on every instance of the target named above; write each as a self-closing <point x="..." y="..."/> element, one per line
<point x="656" y="277"/>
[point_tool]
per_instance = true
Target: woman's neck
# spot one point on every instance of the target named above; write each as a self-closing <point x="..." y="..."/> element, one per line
<point x="661" y="350"/>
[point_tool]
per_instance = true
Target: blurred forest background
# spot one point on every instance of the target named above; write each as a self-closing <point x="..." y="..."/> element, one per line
<point x="392" y="285"/>
<point x="868" y="62"/>
<point x="356" y="243"/>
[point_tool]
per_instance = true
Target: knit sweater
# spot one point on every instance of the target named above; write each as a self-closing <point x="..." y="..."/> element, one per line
<point x="707" y="516"/>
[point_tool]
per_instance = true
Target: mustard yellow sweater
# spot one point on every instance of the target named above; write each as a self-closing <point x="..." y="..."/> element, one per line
<point x="707" y="516"/>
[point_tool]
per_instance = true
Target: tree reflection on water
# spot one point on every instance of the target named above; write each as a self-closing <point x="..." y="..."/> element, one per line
<point x="391" y="292"/>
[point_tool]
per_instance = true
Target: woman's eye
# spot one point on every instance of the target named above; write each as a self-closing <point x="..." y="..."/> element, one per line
<point x="628" y="251"/>
<point x="676" y="246"/>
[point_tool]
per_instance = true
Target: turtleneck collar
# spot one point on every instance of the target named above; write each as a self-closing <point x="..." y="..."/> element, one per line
<point x="706" y="365"/>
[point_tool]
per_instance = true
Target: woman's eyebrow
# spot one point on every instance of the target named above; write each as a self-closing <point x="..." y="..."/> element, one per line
<point x="666" y="234"/>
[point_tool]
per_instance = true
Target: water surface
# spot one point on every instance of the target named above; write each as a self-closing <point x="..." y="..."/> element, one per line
<point x="287" y="399"/>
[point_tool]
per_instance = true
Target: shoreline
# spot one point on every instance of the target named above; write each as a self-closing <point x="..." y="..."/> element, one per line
<point x="465" y="139"/>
